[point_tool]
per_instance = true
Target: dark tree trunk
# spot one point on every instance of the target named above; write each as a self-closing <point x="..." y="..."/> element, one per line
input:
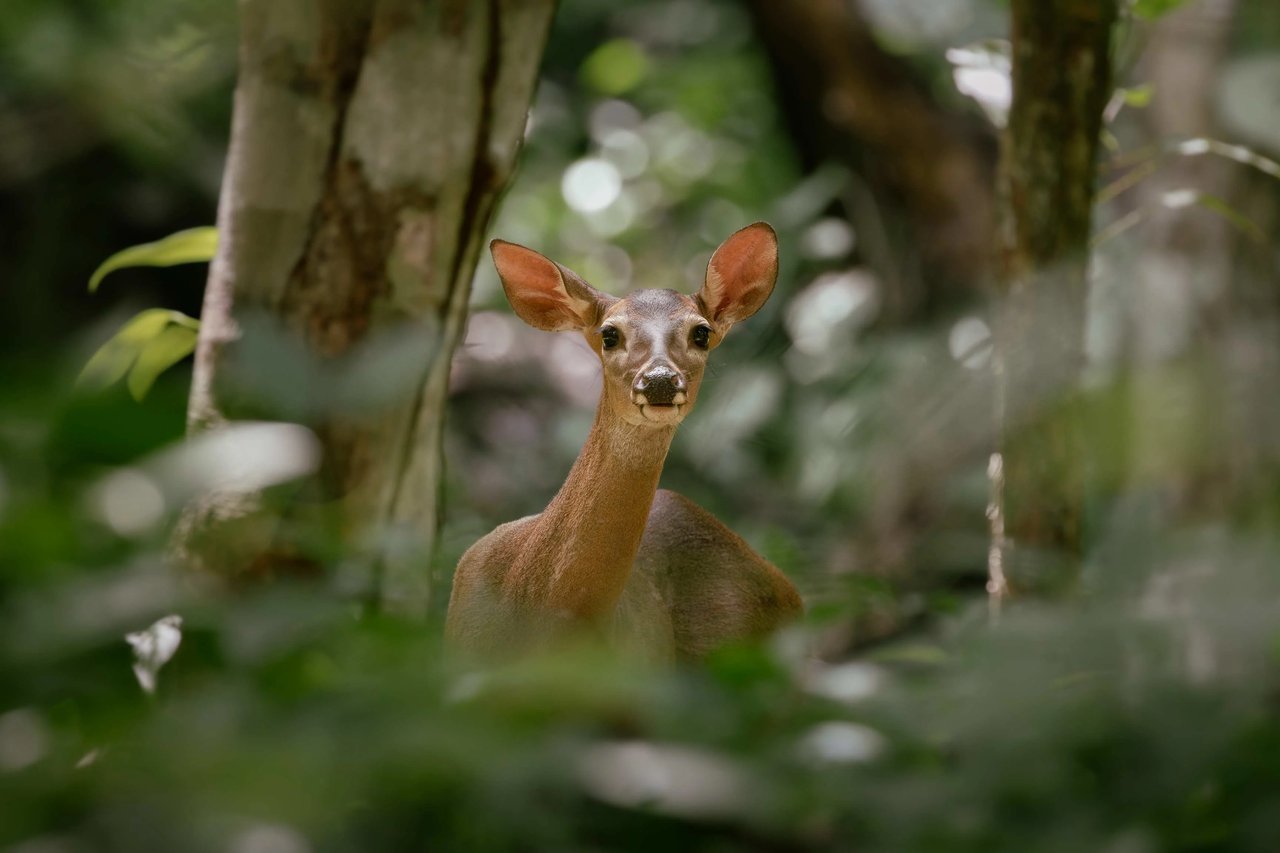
<point x="370" y="141"/>
<point x="1061" y="83"/>
<point x="922" y="202"/>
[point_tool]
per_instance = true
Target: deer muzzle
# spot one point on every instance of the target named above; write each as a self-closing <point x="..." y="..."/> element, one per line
<point x="660" y="385"/>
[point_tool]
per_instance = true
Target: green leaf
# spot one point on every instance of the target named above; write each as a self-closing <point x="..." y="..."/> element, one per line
<point x="143" y="348"/>
<point x="172" y="345"/>
<point x="1219" y="206"/>
<point x="925" y="654"/>
<point x="183" y="247"/>
<point x="1180" y="199"/>
<point x="1138" y="96"/>
<point x="1151" y="9"/>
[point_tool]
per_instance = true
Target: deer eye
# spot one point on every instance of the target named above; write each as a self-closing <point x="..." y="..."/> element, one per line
<point x="609" y="337"/>
<point x="702" y="336"/>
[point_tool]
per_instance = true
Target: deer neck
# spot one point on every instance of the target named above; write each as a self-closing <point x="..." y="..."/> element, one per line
<point x="589" y="534"/>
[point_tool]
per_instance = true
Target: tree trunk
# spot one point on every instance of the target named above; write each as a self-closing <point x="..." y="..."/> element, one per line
<point x="922" y="206"/>
<point x="369" y="143"/>
<point x="1061" y="83"/>
<point x="1179" y="295"/>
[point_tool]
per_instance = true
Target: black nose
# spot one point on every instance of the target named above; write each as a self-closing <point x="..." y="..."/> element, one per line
<point x="660" y="385"/>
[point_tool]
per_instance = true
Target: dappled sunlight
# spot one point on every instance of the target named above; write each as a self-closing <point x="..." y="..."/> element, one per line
<point x="982" y="71"/>
<point x="667" y="779"/>
<point x="849" y="683"/>
<point x="823" y="321"/>
<point x="842" y="743"/>
<point x="269" y="838"/>
<point x="243" y="457"/>
<point x="969" y="342"/>
<point x="828" y="239"/>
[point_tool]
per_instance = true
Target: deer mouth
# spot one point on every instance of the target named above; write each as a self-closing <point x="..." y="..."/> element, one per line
<point x="661" y="413"/>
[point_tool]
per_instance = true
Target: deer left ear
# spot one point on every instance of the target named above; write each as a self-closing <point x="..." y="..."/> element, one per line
<point x="740" y="276"/>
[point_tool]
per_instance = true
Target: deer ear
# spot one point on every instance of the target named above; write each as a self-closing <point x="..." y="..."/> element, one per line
<point x="740" y="276"/>
<point x="544" y="294"/>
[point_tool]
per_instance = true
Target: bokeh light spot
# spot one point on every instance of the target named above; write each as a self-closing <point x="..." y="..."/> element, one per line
<point x="128" y="501"/>
<point x="970" y="342"/>
<point x="590" y="185"/>
<point x="615" y="67"/>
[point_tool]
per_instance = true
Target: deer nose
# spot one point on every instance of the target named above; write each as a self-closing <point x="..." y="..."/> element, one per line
<point x="659" y="385"/>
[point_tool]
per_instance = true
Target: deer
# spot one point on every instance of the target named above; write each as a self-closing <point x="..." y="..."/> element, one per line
<point x="613" y="556"/>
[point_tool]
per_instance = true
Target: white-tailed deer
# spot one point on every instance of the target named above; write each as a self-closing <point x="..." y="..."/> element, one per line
<point x="612" y="553"/>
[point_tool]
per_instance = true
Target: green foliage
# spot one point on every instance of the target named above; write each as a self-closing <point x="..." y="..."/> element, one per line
<point x="194" y="245"/>
<point x="146" y="346"/>
<point x="155" y="339"/>
<point x="904" y="714"/>
<point x="288" y="715"/>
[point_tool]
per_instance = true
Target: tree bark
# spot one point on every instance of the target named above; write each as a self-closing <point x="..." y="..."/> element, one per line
<point x="370" y="141"/>
<point x="1061" y="83"/>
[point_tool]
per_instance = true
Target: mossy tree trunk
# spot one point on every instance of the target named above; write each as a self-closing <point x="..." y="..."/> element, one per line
<point x="370" y="141"/>
<point x="1048" y="174"/>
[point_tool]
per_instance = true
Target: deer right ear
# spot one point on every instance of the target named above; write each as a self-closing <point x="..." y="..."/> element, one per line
<point x="544" y="294"/>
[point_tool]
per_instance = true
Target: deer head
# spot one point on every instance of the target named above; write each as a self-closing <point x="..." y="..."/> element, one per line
<point x="652" y="344"/>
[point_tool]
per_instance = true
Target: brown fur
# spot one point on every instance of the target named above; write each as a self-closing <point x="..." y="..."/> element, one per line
<point x="611" y="553"/>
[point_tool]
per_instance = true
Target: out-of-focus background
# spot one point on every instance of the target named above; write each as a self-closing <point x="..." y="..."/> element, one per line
<point x="845" y="431"/>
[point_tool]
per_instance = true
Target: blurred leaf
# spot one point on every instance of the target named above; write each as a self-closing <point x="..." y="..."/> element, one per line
<point x="1145" y="162"/>
<point x="809" y="197"/>
<point x="153" y="647"/>
<point x="172" y="345"/>
<point x="923" y="654"/>
<point x="183" y="247"/>
<point x="1138" y="96"/>
<point x="982" y="71"/>
<point x="1149" y="10"/>
<point x="615" y="67"/>
<point x="1178" y="199"/>
<point x="146" y="345"/>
